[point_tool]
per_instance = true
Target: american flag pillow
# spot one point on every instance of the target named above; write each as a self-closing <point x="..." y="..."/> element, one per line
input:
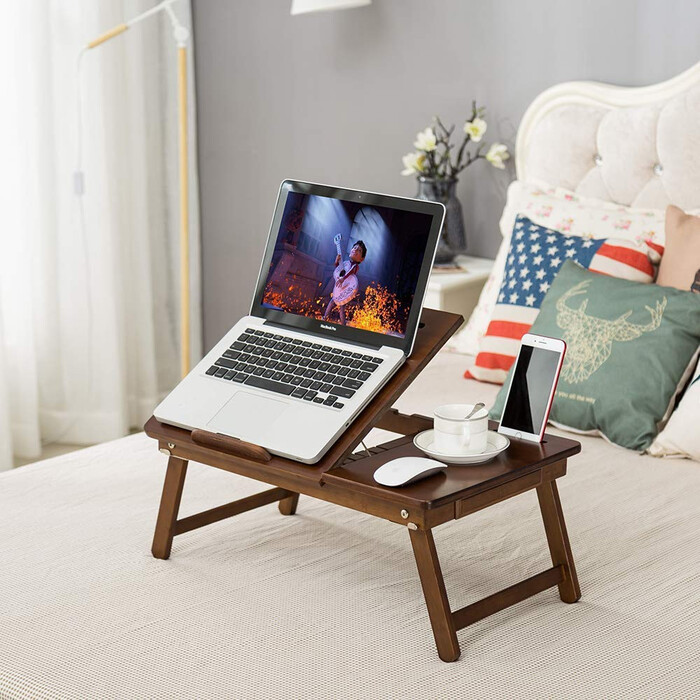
<point x="535" y="256"/>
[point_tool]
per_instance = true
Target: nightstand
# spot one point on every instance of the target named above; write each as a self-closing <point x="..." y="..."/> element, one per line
<point x="458" y="291"/>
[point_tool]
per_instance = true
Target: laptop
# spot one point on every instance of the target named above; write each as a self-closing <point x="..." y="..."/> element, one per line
<point x="334" y="315"/>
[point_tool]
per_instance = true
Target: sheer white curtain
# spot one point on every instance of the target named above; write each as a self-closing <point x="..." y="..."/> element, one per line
<point x="89" y="304"/>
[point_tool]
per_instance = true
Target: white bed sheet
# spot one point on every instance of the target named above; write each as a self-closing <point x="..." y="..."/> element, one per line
<point x="328" y="603"/>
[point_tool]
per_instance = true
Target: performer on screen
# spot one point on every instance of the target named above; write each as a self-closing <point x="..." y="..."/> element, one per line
<point x="345" y="273"/>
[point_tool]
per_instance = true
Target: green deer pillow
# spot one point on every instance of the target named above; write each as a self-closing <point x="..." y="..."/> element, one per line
<point x="630" y="349"/>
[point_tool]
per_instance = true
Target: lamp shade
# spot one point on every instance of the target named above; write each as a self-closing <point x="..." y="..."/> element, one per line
<point x="300" y="7"/>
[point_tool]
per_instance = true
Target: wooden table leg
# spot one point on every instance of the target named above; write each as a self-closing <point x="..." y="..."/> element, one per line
<point x="435" y="594"/>
<point x="558" y="540"/>
<point x="288" y="506"/>
<point x="169" y="507"/>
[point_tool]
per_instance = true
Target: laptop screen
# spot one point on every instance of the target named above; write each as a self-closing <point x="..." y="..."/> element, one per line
<point x="347" y="260"/>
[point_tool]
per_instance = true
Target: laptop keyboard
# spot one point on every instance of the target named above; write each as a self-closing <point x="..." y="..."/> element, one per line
<point x="293" y="367"/>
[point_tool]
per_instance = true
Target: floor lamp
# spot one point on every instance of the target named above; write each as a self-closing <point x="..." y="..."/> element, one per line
<point x="181" y="35"/>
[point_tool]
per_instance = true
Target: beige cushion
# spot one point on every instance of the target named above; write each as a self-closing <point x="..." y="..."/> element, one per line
<point x="681" y="437"/>
<point x="679" y="266"/>
<point x="681" y="259"/>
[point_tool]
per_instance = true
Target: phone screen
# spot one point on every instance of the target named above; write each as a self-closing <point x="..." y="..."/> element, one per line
<point x="533" y="378"/>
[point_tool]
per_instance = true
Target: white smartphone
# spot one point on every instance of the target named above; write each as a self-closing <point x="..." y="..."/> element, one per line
<point x="532" y="387"/>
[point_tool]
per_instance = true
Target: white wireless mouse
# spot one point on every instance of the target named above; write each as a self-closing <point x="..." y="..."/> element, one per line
<point x="406" y="470"/>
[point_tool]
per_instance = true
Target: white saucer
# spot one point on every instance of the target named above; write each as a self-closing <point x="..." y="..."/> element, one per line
<point x="495" y="444"/>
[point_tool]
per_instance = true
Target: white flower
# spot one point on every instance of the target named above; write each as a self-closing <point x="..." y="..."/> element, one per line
<point x="413" y="163"/>
<point x="476" y="129"/>
<point x="497" y="154"/>
<point x="425" y="140"/>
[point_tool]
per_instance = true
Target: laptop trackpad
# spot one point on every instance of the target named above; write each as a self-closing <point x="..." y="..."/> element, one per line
<point x="247" y="416"/>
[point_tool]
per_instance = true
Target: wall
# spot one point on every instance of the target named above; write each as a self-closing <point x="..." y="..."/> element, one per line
<point x="337" y="97"/>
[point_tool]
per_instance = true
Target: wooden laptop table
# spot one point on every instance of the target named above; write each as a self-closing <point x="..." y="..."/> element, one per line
<point x="345" y="478"/>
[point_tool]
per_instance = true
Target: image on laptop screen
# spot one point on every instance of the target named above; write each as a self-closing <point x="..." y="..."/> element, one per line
<point x="347" y="263"/>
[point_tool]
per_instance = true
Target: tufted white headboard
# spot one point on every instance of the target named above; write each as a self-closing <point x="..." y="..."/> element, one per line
<point x="634" y="146"/>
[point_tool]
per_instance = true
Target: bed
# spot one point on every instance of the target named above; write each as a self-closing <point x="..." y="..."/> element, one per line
<point x="85" y="611"/>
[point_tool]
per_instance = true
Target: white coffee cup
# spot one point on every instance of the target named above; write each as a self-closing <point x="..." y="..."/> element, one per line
<point x="457" y="435"/>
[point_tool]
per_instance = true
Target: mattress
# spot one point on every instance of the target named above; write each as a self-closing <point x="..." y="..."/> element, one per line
<point x="327" y="603"/>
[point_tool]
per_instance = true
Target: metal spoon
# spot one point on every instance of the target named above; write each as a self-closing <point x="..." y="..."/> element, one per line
<point x="477" y="407"/>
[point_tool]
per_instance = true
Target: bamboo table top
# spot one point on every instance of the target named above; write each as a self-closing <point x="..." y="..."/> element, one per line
<point x="342" y="471"/>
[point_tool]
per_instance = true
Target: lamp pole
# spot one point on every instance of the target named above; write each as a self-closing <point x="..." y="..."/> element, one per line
<point x="181" y="35"/>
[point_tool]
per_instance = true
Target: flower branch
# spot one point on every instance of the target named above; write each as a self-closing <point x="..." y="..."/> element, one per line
<point x="434" y="155"/>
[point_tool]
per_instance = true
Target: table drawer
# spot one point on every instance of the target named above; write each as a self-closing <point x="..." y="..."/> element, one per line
<point x="465" y="506"/>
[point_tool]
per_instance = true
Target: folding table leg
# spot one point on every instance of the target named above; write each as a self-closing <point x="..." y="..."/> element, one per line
<point x="169" y="507"/>
<point x="288" y="506"/>
<point x="558" y="540"/>
<point x="435" y="594"/>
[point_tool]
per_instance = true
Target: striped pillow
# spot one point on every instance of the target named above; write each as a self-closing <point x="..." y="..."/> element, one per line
<point x="536" y="253"/>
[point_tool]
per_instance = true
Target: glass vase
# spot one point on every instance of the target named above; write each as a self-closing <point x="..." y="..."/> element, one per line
<point x="453" y="238"/>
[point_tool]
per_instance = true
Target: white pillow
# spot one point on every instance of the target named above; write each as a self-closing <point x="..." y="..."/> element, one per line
<point x="568" y="213"/>
<point x="681" y="436"/>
